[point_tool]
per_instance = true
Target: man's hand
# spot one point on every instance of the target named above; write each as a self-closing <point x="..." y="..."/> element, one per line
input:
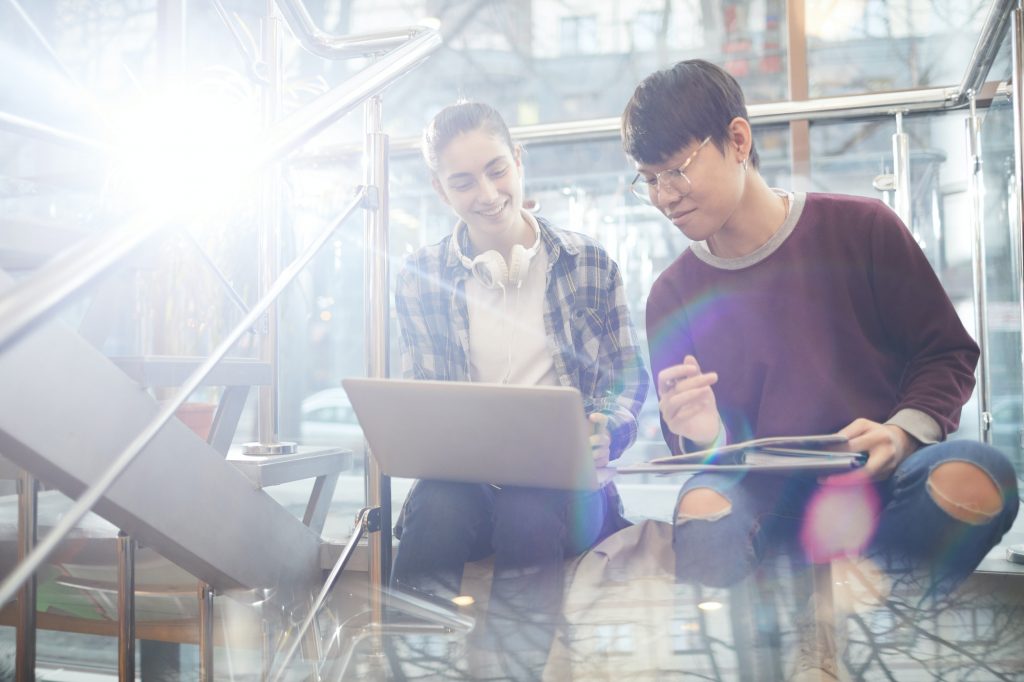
<point x="887" y="445"/>
<point x="600" y="439"/>
<point x="687" y="402"/>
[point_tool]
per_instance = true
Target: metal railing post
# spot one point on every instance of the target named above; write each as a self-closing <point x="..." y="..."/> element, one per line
<point x="376" y="335"/>
<point x="25" y="656"/>
<point x="902" y="191"/>
<point x="26" y="568"/>
<point x="125" y="607"/>
<point x="364" y="519"/>
<point x="972" y="125"/>
<point x="1017" y="51"/>
<point x="205" y="593"/>
<point x="269" y="247"/>
<point x="330" y="46"/>
<point x="172" y="23"/>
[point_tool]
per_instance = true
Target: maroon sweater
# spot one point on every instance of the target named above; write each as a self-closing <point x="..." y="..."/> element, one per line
<point x="838" y="316"/>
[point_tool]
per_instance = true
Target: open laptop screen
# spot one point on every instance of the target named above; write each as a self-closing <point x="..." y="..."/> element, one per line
<point x="535" y="436"/>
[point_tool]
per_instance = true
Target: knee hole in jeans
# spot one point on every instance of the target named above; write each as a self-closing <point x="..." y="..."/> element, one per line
<point x="703" y="503"/>
<point x="965" y="491"/>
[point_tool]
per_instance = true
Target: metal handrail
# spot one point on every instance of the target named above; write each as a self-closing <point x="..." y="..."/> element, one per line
<point x="362" y="522"/>
<point x="823" y="108"/>
<point x="41" y="40"/>
<point x="24" y="570"/>
<point x="30" y="302"/>
<point x="298" y="128"/>
<point x="33" y="299"/>
<point x="368" y="519"/>
<point x="986" y="49"/>
<point x="301" y="126"/>
<point x="48" y="133"/>
<point x="331" y="46"/>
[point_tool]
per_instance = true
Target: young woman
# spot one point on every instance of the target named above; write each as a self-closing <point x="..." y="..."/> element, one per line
<point x="509" y="298"/>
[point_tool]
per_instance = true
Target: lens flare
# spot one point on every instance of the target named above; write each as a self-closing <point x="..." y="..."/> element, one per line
<point x="186" y="149"/>
<point x="840" y="521"/>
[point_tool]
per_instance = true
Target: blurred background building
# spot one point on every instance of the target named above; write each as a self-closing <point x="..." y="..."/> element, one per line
<point x="144" y="109"/>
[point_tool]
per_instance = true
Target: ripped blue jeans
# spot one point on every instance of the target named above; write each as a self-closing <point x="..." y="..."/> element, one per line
<point x="896" y="521"/>
<point x="530" y="532"/>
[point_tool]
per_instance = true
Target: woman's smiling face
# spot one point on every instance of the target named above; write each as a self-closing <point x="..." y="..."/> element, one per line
<point x="480" y="177"/>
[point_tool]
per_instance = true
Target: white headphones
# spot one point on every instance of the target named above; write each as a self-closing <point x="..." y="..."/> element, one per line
<point x="490" y="269"/>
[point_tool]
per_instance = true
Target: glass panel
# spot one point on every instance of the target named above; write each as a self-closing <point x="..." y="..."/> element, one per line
<point x="1003" y="278"/>
<point x="543" y="62"/>
<point x="861" y="46"/>
<point x="847" y="157"/>
<point x="637" y="625"/>
<point x="538" y="62"/>
<point x="581" y="187"/>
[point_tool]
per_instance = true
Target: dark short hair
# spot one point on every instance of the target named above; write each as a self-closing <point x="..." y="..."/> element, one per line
<point x="459" y="118"/>
<point x="675" y="107"/>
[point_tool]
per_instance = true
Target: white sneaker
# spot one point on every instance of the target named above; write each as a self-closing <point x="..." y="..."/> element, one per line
<point x="818" y="659"/>
<point x="860" y="585"/>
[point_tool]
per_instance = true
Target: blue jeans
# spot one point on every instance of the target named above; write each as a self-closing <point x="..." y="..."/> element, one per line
<point x="895" y="521"/>
<point x="530" y="531"/>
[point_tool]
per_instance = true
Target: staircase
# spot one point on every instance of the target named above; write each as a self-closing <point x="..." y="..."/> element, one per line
<point x="66" y="411"/>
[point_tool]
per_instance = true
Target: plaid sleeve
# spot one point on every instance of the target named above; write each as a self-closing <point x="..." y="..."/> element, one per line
<point x="622" y="381"/>
<point x="422" y="351"/>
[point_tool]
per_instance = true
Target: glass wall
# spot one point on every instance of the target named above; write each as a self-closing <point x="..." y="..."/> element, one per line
<point x="538" y="63"/>
<point x="539" y="67"/>
<point x="1001" y="225"/>
<point x="878" y="45"/>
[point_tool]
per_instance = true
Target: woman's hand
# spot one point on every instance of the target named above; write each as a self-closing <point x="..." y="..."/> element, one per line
<point x="886" y="445"/>
<point x="600" y="439"/>
<point x="687" y="402"/>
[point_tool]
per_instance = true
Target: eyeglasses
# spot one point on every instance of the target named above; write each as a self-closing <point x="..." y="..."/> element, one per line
<point x="644" y="188"/>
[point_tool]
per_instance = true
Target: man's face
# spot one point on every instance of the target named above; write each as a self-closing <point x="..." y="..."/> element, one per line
<point x="480" y="178"/>
<point x="703" y="201"/>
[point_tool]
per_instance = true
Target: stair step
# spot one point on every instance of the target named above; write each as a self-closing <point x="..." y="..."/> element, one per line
<point x="171" y="370"/>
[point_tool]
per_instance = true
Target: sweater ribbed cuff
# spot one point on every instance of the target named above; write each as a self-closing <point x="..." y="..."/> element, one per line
<point x="918" y="424"/>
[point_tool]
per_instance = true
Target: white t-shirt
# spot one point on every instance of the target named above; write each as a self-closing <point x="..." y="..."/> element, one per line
<point x="507" y="339"/>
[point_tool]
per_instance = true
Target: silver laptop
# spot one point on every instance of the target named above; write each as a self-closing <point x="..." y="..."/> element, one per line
<point x="535" y="436"/>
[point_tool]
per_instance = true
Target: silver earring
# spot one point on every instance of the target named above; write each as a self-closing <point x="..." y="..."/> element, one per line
<point x="744" y="164"/>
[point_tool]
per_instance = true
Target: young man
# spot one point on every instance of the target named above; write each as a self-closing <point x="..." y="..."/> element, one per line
<point x="798" y="314"/>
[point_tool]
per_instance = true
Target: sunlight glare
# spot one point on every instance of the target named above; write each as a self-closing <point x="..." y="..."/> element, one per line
<point x="185" y="149"/>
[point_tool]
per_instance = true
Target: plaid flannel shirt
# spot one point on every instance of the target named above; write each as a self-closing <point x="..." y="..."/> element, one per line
<point x="591" y="338"/>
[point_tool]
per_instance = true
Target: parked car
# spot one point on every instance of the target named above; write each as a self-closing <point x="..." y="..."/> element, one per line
<point x="1007" y="427"/>
<point x="328" y="419"/>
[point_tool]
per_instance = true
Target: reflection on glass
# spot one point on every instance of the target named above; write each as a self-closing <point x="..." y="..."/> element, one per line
<point x="539" y="62"/>
<point x="861" y="46"/>
<point x="1003" y="278"/>
<point x="549" y="62"/>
